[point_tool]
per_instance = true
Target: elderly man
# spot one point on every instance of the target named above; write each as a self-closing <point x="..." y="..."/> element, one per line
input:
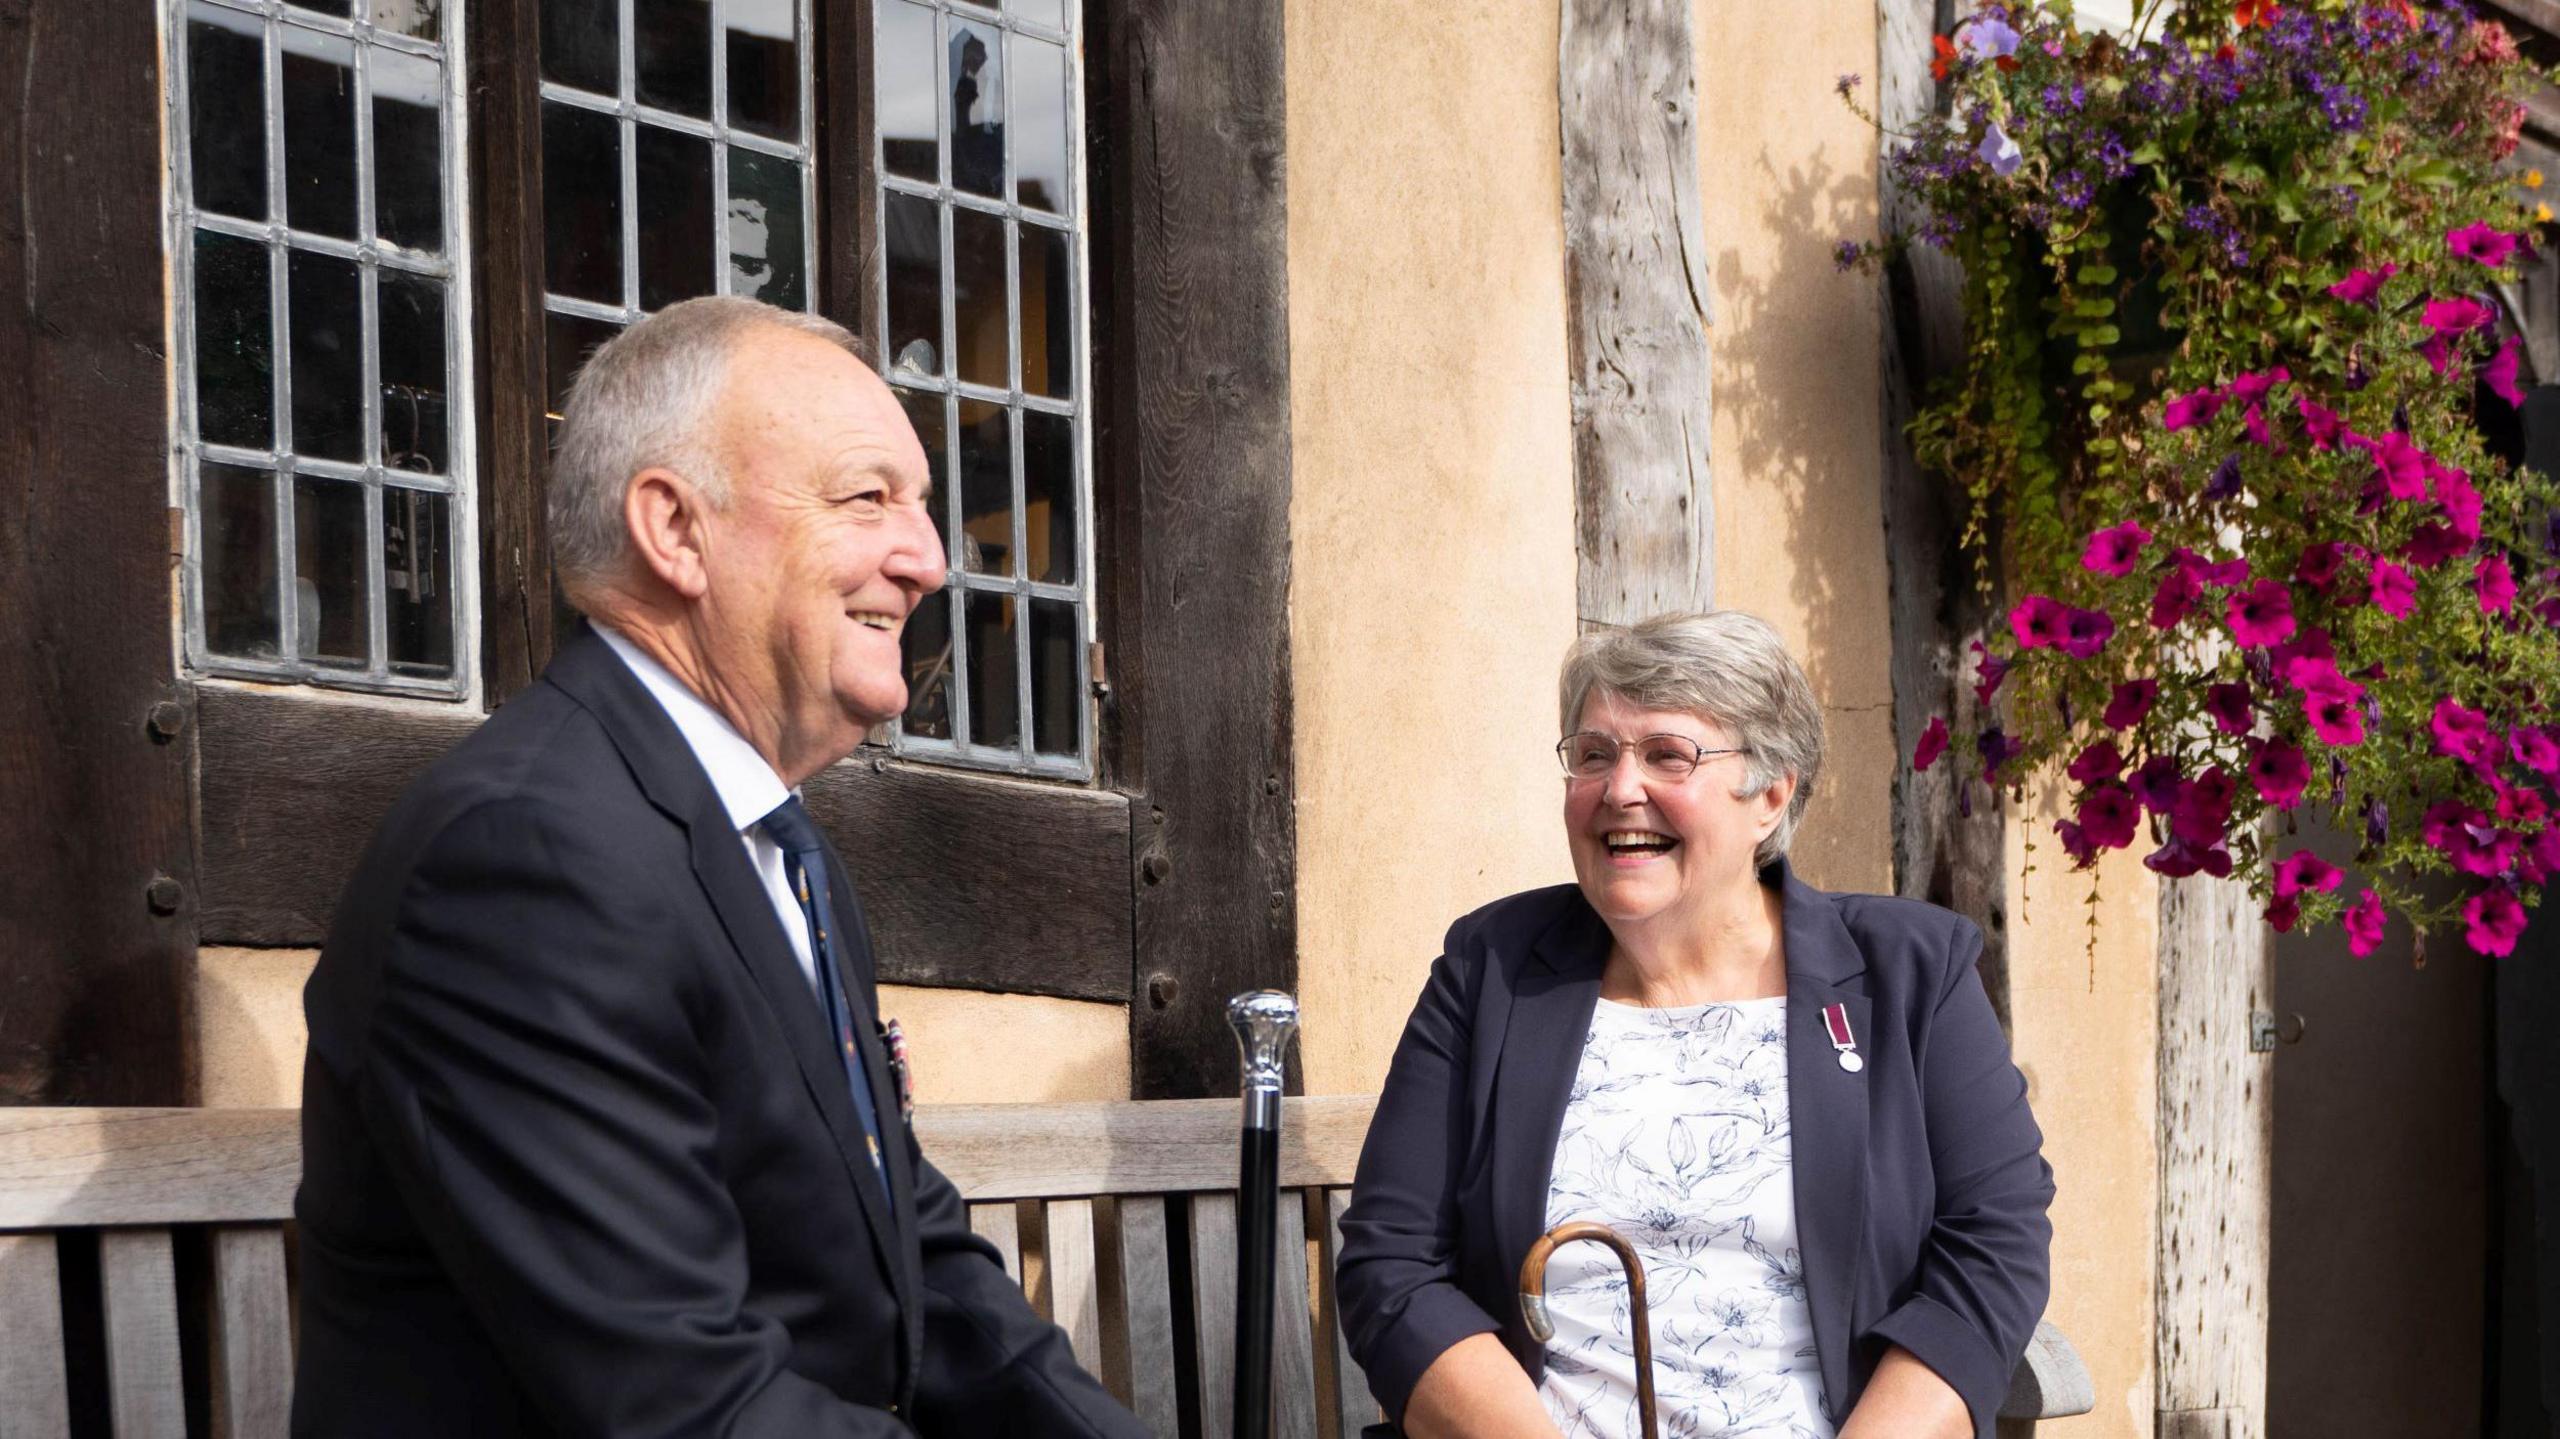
<point x="599" y="1133"/>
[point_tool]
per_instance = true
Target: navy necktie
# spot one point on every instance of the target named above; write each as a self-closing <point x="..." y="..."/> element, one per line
<point x="804" y="864"/>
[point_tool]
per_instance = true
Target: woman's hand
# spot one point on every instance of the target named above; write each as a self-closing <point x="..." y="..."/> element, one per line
<point x="1476" y="1390"/>
<point x="1907" y="1400"/>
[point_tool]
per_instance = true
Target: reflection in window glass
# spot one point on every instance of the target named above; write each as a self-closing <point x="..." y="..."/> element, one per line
<point x="982" y="305"/>
<point x="764" y="68"/>
<point x="768" y="233"/>
<point x="320" y="355"/>
<point x="671" y="55"/>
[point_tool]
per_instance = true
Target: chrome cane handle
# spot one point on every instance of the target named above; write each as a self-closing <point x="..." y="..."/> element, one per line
<point x="1265" y="1020"/>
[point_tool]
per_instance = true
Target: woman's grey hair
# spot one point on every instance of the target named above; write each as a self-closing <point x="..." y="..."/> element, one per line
<point x="646" y="399"/>
<point x="1723" y="666"/>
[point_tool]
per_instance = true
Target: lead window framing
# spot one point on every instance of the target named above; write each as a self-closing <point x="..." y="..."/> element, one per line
<point x="383" y="485"/>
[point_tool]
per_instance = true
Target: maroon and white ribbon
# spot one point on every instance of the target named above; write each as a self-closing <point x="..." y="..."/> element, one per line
<point x="1835" y="1018"/>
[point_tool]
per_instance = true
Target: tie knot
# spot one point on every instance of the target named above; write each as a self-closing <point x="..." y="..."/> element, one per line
<point x="791" y="827"/>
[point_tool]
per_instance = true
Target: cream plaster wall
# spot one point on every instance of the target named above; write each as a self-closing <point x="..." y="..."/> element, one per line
<point x="1796" y="442"/>
<point x="1431" y="510"/>
<point x="2087" y="1031"/>
<point x="967" y="1048"/>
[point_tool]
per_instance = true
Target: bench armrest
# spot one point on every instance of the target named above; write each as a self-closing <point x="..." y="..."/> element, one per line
<point x="2050" y="1381"/>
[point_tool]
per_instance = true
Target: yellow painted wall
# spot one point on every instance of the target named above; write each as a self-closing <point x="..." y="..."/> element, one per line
<point x="967" y="1048"/>
<point x="1431" y="510"/>
<point x="2087" y="1033"/>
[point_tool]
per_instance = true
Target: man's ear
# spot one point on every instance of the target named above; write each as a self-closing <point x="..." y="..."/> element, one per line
<point x="664" y="516"/>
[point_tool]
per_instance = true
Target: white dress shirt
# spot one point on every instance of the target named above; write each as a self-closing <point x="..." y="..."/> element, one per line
<point x="747" y="786"/>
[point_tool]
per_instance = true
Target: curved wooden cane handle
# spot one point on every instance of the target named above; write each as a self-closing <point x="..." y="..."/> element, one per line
<point x="1533" y="1299"/>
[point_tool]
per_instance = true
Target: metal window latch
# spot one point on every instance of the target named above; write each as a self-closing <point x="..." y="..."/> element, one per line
<point x="2265" y="1031"/>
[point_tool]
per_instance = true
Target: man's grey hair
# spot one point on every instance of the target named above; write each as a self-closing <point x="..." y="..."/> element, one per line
<point x="647" y="398"/>
<point x="1725" y="667"/>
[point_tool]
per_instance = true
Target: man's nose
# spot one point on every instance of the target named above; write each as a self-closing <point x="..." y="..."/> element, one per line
<point x="918" y="556"/>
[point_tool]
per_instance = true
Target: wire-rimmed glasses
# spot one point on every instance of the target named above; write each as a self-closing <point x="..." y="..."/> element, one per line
<point x="1666" y="758"/>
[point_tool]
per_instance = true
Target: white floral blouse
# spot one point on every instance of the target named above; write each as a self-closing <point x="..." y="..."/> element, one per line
<point x="1676" y="1136"/>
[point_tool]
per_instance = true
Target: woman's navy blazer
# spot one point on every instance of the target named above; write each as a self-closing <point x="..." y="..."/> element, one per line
<point x="1920" y="1184"/>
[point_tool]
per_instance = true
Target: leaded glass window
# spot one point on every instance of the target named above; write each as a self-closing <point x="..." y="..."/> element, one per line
<point x="676" y="161"/>
<point x="981" y="321"/>
<point x="323" y="433"/>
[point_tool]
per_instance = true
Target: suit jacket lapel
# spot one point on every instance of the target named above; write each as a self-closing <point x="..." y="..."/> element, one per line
<point x="1552" y="996"/>
<point x="1828" y="1108"/>
<point x="668" y="773"/>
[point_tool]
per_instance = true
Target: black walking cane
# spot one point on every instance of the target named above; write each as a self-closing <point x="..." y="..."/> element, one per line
<point x="1533" y="1300"/>
<point x="1264" y="1020"/>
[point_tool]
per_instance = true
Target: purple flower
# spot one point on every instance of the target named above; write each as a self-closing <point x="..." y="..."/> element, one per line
<point x="1999" y="152"/>
<point x="2085" y="632"/>
<point x="1996" y="749"/>
<point x="1987" y="37"/>
<point x="2318" y="566"/>
<point x="2157" y="784"/>
<point x="2432" y="544"/>
<point x="1846" y="83"/>
<point x="2203" y="807"/>
<point x="2319" y="424"/>
<point x="2175" y="599"/>
<point x="2178" y="859"/>
<point x="2536" y="751"/>
<point x="1988" y="671"/>
<point x="2402" y="464"/>
<point x="2225" y="479"/>
<point x="2394" y="593"/>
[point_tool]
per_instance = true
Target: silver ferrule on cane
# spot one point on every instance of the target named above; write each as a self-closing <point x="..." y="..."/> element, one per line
<point x="1265" y="1020"/>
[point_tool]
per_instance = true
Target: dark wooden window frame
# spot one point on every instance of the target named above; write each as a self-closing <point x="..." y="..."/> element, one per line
<point x="1171" y="884"/>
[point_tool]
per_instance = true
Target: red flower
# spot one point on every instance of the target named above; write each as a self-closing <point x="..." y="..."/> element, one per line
<point x="2256" y="12"/>
<point x="1942" y="53"/>
<point x="2318" y="566"/>
<point x="2085" y="632"/>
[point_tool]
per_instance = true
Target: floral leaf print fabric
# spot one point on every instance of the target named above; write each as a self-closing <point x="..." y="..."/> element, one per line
<point x="1676" y="1136"/>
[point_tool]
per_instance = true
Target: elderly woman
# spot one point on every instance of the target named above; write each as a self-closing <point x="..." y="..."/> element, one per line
<point x="1797" y="1106"/>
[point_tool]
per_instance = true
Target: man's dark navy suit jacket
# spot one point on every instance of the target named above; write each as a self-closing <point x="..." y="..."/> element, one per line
<point x="1920" y="1184"/>
<point x="579" y="1156"/>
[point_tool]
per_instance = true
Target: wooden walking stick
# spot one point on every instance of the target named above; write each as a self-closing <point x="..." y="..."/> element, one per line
<point x="1264" y="1020"/>
<point x="1533" y="1300"/>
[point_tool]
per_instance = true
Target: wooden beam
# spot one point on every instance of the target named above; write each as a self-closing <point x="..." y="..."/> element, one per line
<point x="1196" y="399"/>
<point x="1637" y="311"/>
<point x="2216" y="1118"/>
<point x="969" y="881"/>
<point x="97" y="895"/>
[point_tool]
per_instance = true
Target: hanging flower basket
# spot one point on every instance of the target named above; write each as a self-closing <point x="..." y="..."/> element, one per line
<point x="2231" y="319"/>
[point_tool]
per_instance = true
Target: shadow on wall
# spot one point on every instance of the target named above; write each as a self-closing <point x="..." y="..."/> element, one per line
<point x="1798" y="379"/>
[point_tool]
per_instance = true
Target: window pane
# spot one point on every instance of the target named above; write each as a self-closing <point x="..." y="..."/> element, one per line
<point x="675" y="217"/>
<point x="328" y="560"/>
<point x="986" y="488"/>
<point x="768" y="239"/>
<point x="764" y="68"/>
<point x="234" y="353"/>
<point x="977" y="299"/>
<point x="926" y="643"/>
<point x="914" y="271"/>
<point x="319" y="134"/>
<point x="1049" y="496"/>
<point x="671" y="55"/>
<point x="227" y="112"/>
<point x="581" y="203"/>
<point x="924" y="412"/>
<point x="902" y="104"/>
<point x="567" y="341"/>
<point x="417" y="570"/>
<point x="238" y="528"/>
<point x="977" y="109"/>
<point x="581" y="44"/>
<point x="1057" y="702"/>
<point x="414" y="401"/>
<point x="419" y="19"/>
<point x="994" y="719"/>
<point x="408" y="155"/>
<point x="1048" y="313"/>
<point x="1052" y="13"/>
<point x="335" y="9"/>
<point x="1039" y="115"/>
<point x="328" y="357"/>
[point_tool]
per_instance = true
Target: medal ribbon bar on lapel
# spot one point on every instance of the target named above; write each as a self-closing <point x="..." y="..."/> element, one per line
<point x="1835" y="1018"/>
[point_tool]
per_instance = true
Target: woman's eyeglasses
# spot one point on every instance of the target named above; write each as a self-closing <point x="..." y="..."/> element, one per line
<point x="1668" y="758"/>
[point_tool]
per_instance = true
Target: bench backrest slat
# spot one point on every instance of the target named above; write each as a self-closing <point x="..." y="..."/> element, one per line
<point x="1354" y="1410"/>
<point x="1146" y="1298"/>
<point x="78" y="1168"/>
<point x="1156" y="1146"/>
<point x="1213" y="1308"/>
<point x="1293" y="1353"/>
<point x="1075" y="1278"/>
<point x="138" y="1290"/>
<point x="253" y="1331"/>
<point x="35" y="1401"/>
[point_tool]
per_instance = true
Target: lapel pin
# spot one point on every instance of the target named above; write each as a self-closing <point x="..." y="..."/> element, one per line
<point x="1835" y="1018"/>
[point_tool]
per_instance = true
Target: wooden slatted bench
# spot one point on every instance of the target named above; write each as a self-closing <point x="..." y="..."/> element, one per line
<point x="1119" y="1219"/>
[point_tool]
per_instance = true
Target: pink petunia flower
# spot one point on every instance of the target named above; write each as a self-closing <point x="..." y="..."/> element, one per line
<point x="2456" y="317"/>
<point x="1988" y="671"/>
<point x="2493" y="921"/>
<point x="2521" y="804"/>
<point x="2086" y="632"/>
<point x="2100" y="761"/>
<point x="2075" y="843"/>
<point x="2255" y="386"/>
<point x="2204" y="807"/>
<point x="2320" y="425"/>
<point x="1933" y="743"/>
<point x="2109" y="816"/>
<point x="2130" y="702"/>
<point x="2364" y="921"/>
<point x="2363" y="287"/>
<point x="2461" y="731"/>
<point x="2253" y="423"/>
<point x="2280" y="772"/>
<point x="2318" y="566"/>
<point x="2261" y="614"/>
<point x="2179" y="858"/>
<point x="2037" y="622"/>
<point x="2228" y="704"/>
<point x="2283" y="912"/>
<point x="2535" y="750"/>
<point x="2403" y="466"/>
<point x="2336" y="717"/>
<point x="2189" y="410"/>
<point x="2478" y="847"/>
<point x="2307" y="658"/>
<point x="2495" y="584"/>
<point x="2483" y="242"/>
<point x="2457" y="497"/>
<point x="2432" y="544"/>
<point x="2394" y="593"/>
<point x="2502" y="373"/>
<point x="2116" y="549"/>
<point x="2303" y="870"/>
<point x="2220" y="574"/>
<point x="2157" y="784"/>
